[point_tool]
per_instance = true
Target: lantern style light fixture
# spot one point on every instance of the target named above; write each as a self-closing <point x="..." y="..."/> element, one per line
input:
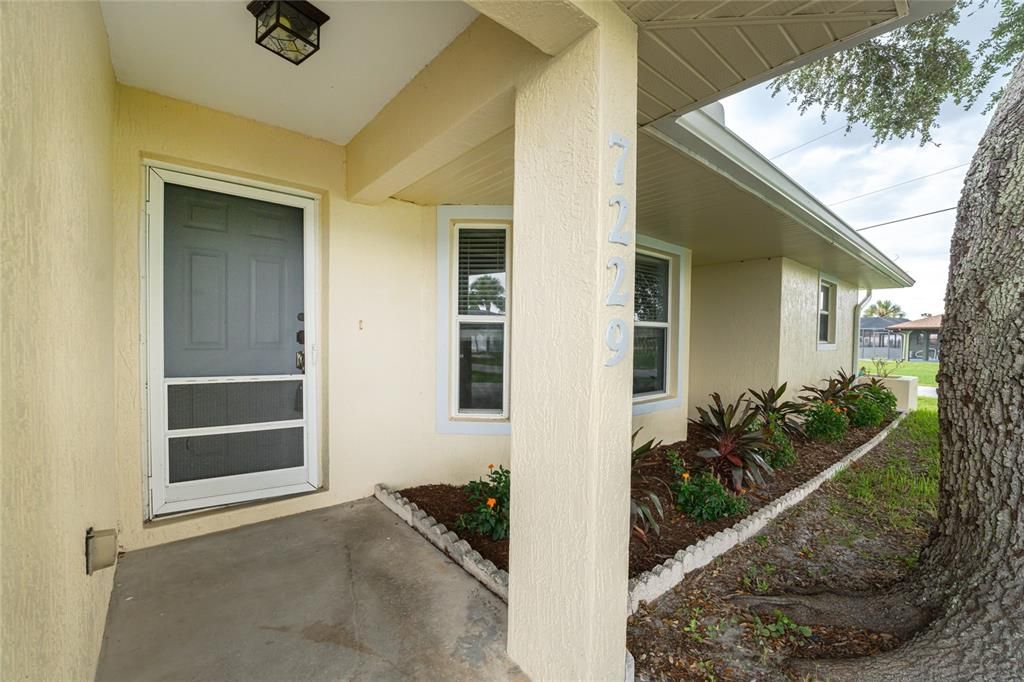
<point x="288" y="28"/>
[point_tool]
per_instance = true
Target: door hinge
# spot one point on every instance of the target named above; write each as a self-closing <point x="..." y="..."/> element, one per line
<point x="149" y="208"/>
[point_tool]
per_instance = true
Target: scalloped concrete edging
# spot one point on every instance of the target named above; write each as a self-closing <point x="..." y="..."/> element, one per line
<point x="484" y="570"/>
<point x="650" y="585"/>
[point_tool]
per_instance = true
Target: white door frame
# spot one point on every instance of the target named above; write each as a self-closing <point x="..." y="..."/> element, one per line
<point x="164" y="497"/>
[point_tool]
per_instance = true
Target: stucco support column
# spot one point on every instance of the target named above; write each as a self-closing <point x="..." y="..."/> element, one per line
<point x="571" y="407"/>
<point x="906" y="346"/>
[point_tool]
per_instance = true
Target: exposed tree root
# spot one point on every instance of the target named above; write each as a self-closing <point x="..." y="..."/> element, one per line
<point x="892" y="612"/>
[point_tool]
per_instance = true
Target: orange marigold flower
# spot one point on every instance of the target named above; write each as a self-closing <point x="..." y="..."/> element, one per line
<point x="836" y="410"/>
<point x="686" y="475"/>
<point x="491" y="467"/>
<point x="491" y="502"/>
<point x="828" y="402"/>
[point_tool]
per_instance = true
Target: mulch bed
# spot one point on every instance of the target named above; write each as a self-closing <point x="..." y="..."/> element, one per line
<point x="831" y="541"/>
<point x="446" y="502"/>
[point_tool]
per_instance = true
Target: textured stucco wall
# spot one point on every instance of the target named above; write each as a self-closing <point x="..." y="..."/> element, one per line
<point x="379" y="268"/>
<point x="734" y="323"/>
<point x="801" y="360"/>
<point x="57" y="339"/>
<point x="571" y="420"/>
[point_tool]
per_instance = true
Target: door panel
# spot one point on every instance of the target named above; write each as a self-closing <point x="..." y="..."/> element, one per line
<point x="233" y="284"/>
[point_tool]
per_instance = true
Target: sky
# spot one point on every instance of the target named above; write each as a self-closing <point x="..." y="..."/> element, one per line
<point x="840" y="166"/>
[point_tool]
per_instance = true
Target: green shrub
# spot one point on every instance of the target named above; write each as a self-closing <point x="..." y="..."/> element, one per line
<point x="880" y="393"/>
<point x="780" y="452"/>
<point x="865" y="411"/>
<point x="491" y="499"/>
<point x="826" y="421"/>
<point x="704" y="498"/>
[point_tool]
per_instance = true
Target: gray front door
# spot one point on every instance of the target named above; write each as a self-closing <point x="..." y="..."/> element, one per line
<point x="234" y="412"/>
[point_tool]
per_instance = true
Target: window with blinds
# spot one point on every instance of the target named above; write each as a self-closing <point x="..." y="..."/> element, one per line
<point x="481" y="292"/>
<point x="651" y="325"/>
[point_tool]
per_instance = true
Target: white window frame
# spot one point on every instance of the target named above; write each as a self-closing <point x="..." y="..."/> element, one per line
<point x="494" y="320"/>
<point x="833" y="286"/>
<point x="448" y="418"/>
<point x="670" y="361"/>
<point x="162" y="496"/>
<point x="678" y="340"/>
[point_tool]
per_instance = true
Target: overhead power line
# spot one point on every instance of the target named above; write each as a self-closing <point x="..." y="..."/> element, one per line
<point x="900" y="184"/>
<point x="815" y="139"/>
<point x="900" y="220"/>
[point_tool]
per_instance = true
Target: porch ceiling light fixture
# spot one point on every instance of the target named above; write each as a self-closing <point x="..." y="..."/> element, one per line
<point x="288" y="28"/>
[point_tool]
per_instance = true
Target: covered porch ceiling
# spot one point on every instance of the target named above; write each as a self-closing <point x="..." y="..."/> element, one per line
<point x="702" y="187"/>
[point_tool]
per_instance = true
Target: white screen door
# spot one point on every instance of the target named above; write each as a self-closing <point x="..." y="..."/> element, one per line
<point x="231" y="342"/>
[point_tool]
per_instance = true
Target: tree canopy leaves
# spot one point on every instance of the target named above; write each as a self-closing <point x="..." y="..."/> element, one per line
<point x="896" y="83"/>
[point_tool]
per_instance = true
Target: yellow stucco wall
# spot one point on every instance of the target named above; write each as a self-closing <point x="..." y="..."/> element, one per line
<point x="57" y="336"/>
<point x="379" y="268"/>
<point x="734" y="323"/>
<point x="801" y="360"/>
<point x="754" y="325"/>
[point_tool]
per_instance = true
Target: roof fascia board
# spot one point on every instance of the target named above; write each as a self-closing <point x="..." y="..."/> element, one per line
<point x="702" y="138"/>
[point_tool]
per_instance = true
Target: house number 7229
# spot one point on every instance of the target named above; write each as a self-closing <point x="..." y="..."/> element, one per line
<point x="616" y="334"/>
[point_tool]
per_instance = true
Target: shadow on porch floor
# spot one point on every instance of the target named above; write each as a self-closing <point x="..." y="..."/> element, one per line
<point x="348" y="592"/>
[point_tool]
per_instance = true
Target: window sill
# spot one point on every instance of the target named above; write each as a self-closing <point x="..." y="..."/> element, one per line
<point x="655" y="403"/>
<point x="471" y="425"/>
<point x="826" y="346"/>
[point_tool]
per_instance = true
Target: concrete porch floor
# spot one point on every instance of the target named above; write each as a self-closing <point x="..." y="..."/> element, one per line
<point x="348" y="592"/>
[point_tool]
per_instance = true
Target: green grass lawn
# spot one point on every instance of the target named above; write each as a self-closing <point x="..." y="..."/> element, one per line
<point x="924" y="371"/>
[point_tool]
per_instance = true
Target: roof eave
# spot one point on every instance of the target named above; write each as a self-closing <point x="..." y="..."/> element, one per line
<point x="704" y="139"/>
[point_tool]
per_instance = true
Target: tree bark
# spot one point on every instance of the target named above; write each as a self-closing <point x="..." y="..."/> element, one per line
<point x="973" y="566"/>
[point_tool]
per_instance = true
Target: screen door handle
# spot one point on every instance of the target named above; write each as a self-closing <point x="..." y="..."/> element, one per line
<point x="300" y="361"/>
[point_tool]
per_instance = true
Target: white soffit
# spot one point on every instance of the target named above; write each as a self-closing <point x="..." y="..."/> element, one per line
<point x="701" y="185"/>
<point x="205" y="53"/>
<point x="693" y="52"/>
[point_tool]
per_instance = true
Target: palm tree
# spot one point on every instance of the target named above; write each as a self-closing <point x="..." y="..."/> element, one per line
<point x="884" y="308"/>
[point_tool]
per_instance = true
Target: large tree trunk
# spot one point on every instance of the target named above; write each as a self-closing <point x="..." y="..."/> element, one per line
<point x="973" y="566"/>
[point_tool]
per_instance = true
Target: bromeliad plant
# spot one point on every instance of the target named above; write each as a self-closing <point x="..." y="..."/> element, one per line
<point x="837" y="390"/>
<point x="645" y="508"/>
<point x="780" y="414"/>
<point x="732" y="442"/>
<point x="490" y="498"/>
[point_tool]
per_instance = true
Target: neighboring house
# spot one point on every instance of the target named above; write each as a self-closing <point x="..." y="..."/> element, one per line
<point x="450" y="238"/>
<point x="878" y="341"/>
<point x="921" y="338"/>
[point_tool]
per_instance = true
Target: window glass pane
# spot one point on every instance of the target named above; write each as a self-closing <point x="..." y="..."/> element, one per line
<point x="823" y="328"/>
<point x="199" y="457"/>
<point x="196" y="405"/>
<point x="825" y="298"/>
<point x="649" y="360"/>
<point x="481" y="275"/>
<point x="481" y="367"/>
<point x="651" y="289"/>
